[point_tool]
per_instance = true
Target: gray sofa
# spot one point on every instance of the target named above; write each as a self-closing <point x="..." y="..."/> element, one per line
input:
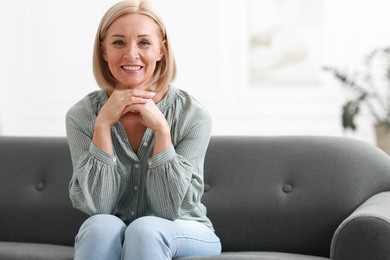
<point x="269" y="198"/>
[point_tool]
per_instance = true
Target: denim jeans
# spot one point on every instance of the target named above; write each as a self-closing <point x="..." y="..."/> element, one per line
<point x="106" y="237"/>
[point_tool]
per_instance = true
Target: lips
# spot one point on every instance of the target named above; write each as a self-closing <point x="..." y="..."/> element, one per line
<point x="132" y="68"/>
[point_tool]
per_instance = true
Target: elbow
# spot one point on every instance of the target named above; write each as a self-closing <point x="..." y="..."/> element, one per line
<point x="90" y="207"/>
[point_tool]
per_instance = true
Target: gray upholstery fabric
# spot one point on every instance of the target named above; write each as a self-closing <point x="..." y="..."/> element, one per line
<point x="367" y="227"/>
<point x="34" y="200"/>
<point x="256" y="256"/>
<point x="288" y="194"/>
<point x="32" y="251"/>
<point x="268" y="198"/>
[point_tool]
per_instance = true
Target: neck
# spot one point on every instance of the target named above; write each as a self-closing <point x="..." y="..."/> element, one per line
<point x="161" y="92"/>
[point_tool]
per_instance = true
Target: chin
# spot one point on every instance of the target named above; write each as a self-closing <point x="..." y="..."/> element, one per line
<point x="129" y="86"/>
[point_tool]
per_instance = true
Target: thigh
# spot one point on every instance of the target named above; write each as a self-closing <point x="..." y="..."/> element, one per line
<point x="100" y="237"/>
<point x="177" y="238"/>
<point x="192" y="238"/>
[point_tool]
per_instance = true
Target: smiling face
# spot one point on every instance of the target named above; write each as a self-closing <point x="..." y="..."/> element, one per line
<point x="131" y="48"/>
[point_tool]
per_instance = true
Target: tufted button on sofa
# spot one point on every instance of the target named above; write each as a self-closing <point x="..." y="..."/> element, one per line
<point x="269" y="198"/>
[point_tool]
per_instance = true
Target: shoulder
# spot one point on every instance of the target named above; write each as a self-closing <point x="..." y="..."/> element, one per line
<point x="189" y="106"/>
<point x="188" y="116"/>
<point x="87" y="108"/>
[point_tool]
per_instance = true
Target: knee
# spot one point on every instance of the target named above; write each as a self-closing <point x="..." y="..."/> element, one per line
<point x="144" y="228"/>
<point x="100" y="237"/>
<point x="102" y="225"/>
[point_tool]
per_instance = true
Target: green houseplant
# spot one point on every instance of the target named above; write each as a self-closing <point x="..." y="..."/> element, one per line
<point x="369" y="87"/>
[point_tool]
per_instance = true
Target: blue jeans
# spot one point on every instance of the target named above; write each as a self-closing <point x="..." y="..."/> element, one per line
<point x="106" y="237"/>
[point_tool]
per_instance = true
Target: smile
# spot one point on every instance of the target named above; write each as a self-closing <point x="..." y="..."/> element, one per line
<point x="131" y="68"/>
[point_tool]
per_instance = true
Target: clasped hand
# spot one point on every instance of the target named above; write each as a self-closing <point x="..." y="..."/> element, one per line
<point x="132" y="104"/>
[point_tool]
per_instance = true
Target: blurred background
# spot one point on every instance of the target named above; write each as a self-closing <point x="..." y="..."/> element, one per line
<point x="255" y="64"/>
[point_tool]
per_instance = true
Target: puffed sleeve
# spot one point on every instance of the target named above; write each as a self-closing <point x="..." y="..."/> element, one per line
<point x="96" y="183"/>
<point x="175" y="176"/>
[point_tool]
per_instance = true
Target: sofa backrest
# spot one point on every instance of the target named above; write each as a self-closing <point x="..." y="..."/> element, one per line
<point x="288" y="194"/>
<point x="34" y="199"/>
<point x="284" y="194"/>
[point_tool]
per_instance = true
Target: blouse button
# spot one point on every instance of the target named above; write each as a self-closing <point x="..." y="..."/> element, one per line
<point x="136" y="166"/>
<point x="135" y="187"/>
<point x="145" y="144"/>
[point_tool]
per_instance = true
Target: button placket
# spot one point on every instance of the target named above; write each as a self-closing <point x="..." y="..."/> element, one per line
<point x="134" y="187"/>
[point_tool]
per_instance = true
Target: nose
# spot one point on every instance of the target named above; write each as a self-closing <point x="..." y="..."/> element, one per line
<point x="131" y="52"/>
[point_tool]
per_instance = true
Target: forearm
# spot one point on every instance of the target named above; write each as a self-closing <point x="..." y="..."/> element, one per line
<point x="95" y="185"/>
<point x="162" y="139"/>
<point x="102" y="137"/>
<point x="172" y="191"/>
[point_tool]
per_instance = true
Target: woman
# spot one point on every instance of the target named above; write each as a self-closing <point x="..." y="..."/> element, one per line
<point x="138" y="148"/>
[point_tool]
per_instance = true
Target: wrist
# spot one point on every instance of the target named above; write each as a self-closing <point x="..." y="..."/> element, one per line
<point x="102" y="124"/>
<point x="162" y="139"/>
<point x="163" y="130"/>
<point x="102" y="137"/>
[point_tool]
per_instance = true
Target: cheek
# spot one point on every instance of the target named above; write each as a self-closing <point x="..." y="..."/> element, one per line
<point x="110" y="54"/>
<point x="155" y="57"/>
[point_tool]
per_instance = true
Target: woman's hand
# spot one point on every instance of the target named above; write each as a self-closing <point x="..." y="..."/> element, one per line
<point x="146" y="113"/>
<point x="115" y="107"/>
<point x="149" y="115"/>
<point x="120" y="102"/>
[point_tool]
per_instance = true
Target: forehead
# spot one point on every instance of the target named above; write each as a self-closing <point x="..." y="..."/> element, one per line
<point x="134" y="24"/>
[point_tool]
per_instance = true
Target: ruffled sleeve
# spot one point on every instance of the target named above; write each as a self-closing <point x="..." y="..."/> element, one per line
<point x="175" y="176"/>
<point x="96" y="183"/>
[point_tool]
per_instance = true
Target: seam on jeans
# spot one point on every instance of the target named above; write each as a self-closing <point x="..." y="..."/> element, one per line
<point x="192" y="238"/>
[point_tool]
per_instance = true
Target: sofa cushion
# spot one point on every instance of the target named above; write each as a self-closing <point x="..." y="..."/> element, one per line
<point x="288" y="194"/>
<point x="34" y="201"/>
<point x="255" y="256"/>
<point x="31" y="251"/>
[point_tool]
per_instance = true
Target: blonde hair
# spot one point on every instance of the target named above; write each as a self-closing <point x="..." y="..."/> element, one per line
<point x="165" y="71"/>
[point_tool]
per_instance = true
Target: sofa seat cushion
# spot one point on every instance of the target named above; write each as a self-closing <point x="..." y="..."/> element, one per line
<point x="255" y="255"/>
<point x="31" y="251"/>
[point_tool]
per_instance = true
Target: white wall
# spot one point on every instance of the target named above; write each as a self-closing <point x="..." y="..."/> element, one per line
<point x="46" y="51"/>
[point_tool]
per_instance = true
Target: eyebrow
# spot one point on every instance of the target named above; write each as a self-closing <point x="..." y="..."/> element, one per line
<point x="123" y="36"/>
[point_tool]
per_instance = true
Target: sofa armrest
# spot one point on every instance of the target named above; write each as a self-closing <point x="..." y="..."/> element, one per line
<point x="365" y="234"/>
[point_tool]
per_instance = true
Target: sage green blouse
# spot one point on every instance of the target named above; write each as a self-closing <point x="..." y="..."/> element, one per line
<point x="129" y="185"/>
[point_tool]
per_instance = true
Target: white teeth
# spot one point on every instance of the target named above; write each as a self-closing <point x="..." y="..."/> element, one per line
<point x="131" y="67"/>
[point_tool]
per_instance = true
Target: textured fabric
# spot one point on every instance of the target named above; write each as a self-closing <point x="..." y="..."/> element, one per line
<point x="103" y="237"/>
<point x="32" y="251"/>
<point x="129" y="185"/>
<point x="288" y="194"/>
<point x="279" y="194"/>
<point x="366" y="233"/>
<point x="256" y="256"/>
<point x="34" y="199"/>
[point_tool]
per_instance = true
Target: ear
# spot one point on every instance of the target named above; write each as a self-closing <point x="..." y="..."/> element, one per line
<point x="104" y="51"/>
<point x="162" y="50"/>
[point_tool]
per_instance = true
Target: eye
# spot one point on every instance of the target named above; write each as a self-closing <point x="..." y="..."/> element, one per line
<point x="144" y="43"/>
<point x="119" y="43"/>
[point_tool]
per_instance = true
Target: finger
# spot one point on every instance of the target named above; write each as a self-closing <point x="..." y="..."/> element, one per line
<point x="134" y="107"/>
<point x="136" y="100"/>
<point x="146" y="94"/>
<point x="128" y="109"/>
<point x="131" y="116"/>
